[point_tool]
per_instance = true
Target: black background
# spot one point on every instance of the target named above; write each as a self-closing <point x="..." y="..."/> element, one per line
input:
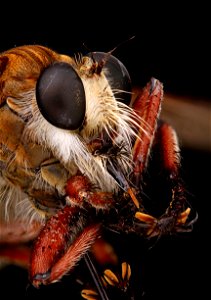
<point x="171" y="44"/>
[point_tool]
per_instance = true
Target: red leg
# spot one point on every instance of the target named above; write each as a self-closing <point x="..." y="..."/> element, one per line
<point x="79" y="191"/>
<point x="147" y="105"/>
<point x="62" y="242"/>
<point x="177" y="212"/>
<point x="170" y="156"/>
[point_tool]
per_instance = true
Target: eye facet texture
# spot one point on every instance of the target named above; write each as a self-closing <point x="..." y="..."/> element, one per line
<point x="61" y="97"/>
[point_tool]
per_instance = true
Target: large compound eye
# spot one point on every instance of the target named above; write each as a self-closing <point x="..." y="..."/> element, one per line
<point x="117" y="75"/>
<point x="61" y="97"/>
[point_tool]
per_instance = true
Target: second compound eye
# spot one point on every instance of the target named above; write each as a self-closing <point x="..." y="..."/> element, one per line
<point x="117" y="75"/>
<point x="61" y="97"/>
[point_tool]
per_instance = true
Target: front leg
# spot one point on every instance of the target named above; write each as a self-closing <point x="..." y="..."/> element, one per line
<point x="68" y="234"/>
<point x="175" y="217"/>
<point x="81" y="193"/>
<point x="151" y="133"/>
<point x="62" y="242"/>
<point x="147" y="105"/>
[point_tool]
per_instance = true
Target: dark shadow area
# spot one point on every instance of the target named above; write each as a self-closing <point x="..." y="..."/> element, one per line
<point x="170" y="42"/>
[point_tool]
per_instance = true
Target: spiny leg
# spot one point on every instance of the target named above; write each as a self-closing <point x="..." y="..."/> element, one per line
<point x="177" y="212"/>
<point x="147" y="105"/>
<point x="170" y="153"/>
<point x="80" y="192"/>
<point x="62" y="242"/>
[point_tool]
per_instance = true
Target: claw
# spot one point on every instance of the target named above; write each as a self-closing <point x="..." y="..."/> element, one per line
<point x="145" y="218"/>
<point x="120" y="282"/>
<point x="126" y="271"/>
<point x="110" y="277"/>
<point x="182" y="218"/>
<point x="163" y="225"/>
<point x="111" y="282"/>
<point x="150" y="220"/>
<point x="89" y="294"/>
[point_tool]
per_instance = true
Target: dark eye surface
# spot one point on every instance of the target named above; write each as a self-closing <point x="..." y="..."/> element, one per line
<point x="61" y="97"/>
<point x="117" y="75"/>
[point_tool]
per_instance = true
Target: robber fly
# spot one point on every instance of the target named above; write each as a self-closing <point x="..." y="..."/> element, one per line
<point x="71" y="140"/>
